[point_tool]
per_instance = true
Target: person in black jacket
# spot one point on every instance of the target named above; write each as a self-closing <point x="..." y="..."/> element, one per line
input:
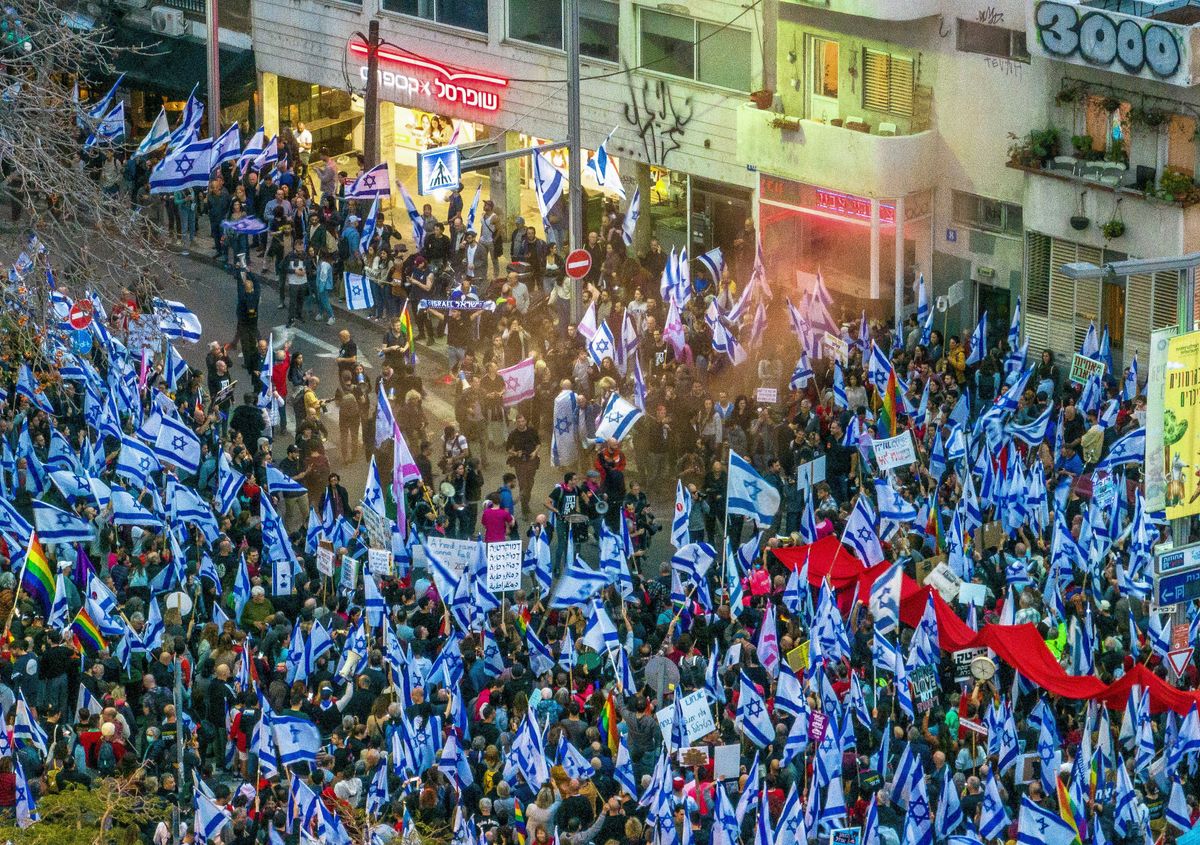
<point x="220" y="695"/>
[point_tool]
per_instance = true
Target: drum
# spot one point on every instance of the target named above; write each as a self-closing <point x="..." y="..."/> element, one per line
<point x="576" y="519"/>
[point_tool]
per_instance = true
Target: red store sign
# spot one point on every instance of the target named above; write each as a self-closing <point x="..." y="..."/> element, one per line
<point x="417" y="76"/>
<point x="803" y="196"/>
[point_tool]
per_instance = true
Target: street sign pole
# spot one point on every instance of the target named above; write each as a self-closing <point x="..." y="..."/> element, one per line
<point x="212" y="28"/>
<point x="574" y="166"/>
<point x="371" y="99"/>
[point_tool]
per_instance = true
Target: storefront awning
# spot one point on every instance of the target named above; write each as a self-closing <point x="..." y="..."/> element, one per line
<point x="173" y="66"/>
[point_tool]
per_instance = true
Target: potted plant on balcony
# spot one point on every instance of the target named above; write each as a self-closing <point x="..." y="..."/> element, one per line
<point x="762" y="99"/>
<point x="1115" y="227"/>
<point x="1082" y="144"/>
<point x="785" y="122"/>
<point x="1079" y="220"/>
<point x="1035" y="149"/>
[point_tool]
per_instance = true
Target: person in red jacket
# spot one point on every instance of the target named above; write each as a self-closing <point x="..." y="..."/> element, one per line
<point x="279" y="380"/>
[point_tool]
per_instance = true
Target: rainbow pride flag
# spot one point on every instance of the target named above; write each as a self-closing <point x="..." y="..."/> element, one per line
<point x="87" y="631"/>
<point x="37" y="578"/>
<point x="608" y="725"/>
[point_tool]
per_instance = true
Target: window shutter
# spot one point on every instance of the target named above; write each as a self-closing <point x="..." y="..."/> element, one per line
<point x="1137" y="316"/>
<point x="1037" y="291"/>
<point x="903" y="82"/>
<point x="1061" y="328"/>
<point x="1165" y="307"/>
<point x="1087" y="297"/>
<point x="876" y="80"/>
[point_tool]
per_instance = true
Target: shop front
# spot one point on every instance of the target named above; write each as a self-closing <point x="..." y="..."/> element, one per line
<point x="867" y="250"/>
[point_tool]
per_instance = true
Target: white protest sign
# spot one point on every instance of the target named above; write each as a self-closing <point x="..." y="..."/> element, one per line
<point x="457" y="555"/>
<point x="727" y="761"/>
<point x="766" y="395"/>
<point x="810" y="473"/>
<point x="380" y="562"/>
<point x="893" y="452"/>
<point x="943" y="579"/>
<point x="325" y="558"/>
<point x="504" y="566"/>
<point x="835" y="349"/>
<point x="697" y="717"/>
<point x="349" y="581"/>
<point x="379" y="529"/>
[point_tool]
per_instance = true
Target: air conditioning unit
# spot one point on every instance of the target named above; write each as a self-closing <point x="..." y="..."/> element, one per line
<point x="167" y="21"/>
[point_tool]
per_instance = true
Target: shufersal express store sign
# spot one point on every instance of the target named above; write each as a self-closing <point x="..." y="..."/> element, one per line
<point x="409" y="76"/>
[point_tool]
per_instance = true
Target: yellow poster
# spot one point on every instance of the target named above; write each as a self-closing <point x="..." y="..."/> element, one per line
<point x="1181" y="426"/>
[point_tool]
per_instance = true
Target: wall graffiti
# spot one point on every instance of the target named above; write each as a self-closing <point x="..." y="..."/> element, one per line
<point x="1118" y="42"/>
<point x="991" y="16"/>
<point x="658" y="117"/>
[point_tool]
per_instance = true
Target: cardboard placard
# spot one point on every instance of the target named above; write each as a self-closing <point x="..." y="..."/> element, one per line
<point x="380" y="562"/>
<point x="845" y="836"/>
<point x="378" y="528"/>
<point x="924" y="684"/>
<point x="697" y="717"/>
<point x="695" y="756"/>
<point x="1083" y="368"/>
<point x="808" y="474"/>
<point x="835" y="349"/>
<point x="943" y="579"/>
<point x="504" y="566"/>
<point x="962" y="662"/>
<point x="325" y="558"/>
<point x="727" y="761"/>
<point x="975" y="594"/>
<point x="766" y="395"/>
<point x="348" y="582"/>
<point x="993" y="535"/>
<point x="924" y="567"/>
<point x="797" y="658"/>
<point x="457" y="555"/>
<point x="894" y="452"/>
<point x="1027" y="768"/>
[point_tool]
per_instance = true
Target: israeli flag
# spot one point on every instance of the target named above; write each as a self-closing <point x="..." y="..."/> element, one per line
<point x="752" y="716"/>
<point x="228" y="147"/>
<point x="474" y="208"/>
<point x="547" y="184"/>
<point x="1129" y="387"/>
<point x="135" y="462"/>
<point x="368" y="229"/>
<point x="418" y="221"/>
<point x="602" y="345"/>
<point x="126" y="511"/>
<point x="802" y="373"/>
<point x="178" y="445"/>
<point x="372" y="183"/>
<point x="101" y="106"/>
<point x="860" y="533"/>
<point x="210" y="819"/>
<point x="176" y="320"/>
<point x="252" y="150"/>
<point x="607" y="177"/>
<point x="247" y="225"/>
<point x="110" y="129"/>
<point x="269" y="155"/>
<point x="358" y="292"/>
<point x="279" y="482"/>
<point x="714" y="262"/>
<point x="748" y="493"/>
<point x="159" y="134"/>
<point x="189" y="125"/>
<point x="577" y="585"/>
<point x="617" y="419"/>
<point x="979" y="341"/>
<point x="1036" y="826"/>
<point x="183" y="168"/>
<point x="632" y="213"/>
<point x="1129" y="449"/>
<point x="683" y="511"/>
<point x="28" y="388"/>
<point x="59" y="526"/>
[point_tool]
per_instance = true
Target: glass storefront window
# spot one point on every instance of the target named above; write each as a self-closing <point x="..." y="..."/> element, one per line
<point x="468" y="14"/>
<point x="328" y="113"/>
<point x="668" y="208"/>
<point x="541" y="22"/>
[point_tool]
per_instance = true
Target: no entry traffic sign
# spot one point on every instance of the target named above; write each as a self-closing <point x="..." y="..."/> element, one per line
<point x="579" y="262"/>
<point x="80" y="315"/>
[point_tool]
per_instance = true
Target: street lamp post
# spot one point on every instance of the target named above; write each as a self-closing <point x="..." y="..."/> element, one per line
<point x="574" y="166"/>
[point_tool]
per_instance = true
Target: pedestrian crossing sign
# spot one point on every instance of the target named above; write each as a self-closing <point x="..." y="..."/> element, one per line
<point x="437" y="170"/>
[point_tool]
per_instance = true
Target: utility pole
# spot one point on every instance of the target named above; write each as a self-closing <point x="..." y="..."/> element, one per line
<point x="213" y="28"/>
<point x="574" y="166"/>
<point x="371" y="99"/>
<point x="177" y="698"/>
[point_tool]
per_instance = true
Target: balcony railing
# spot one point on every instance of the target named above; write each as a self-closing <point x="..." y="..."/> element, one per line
<point x="883" y="10"/>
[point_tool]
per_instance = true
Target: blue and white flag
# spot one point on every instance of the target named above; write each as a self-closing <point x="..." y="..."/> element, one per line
<point x="247" y="225"/>
<point x="752" y="717"/>
<point x="25" y="808"/>
<point x="602" y="345"/>
<point x="228" y="147"/>
<point x="979" y="341"/>
<point x="358" y="292"/>
<point x="1036" y="826"/>
<point x="802" y="373"/>
<point x="269" y="155"/>
<point x="860" y="533"/>
<point x="373" y="183"/>
<point x="189" y="125"/>
<point x="158" y="135"/>
<point x="101" y="106"/>
<point x="418" y="221"/>
<point x="296" y="738"/>
<point x="59" y="526"/>
<point x="252" y="150"/>
<point x="110" y="129"/>
<point x="617" y="419"/>
<point x="474" y="209"/>
<point x="547" y="184"/>
<point x="176" y="320"/>
<point x="884" y="601"/>
<point x="185" y="167"/>
<point x="605" y="171"/>
<point x="632" y="213"/>
<point x="27" y="387"/>
<point x="1129" y="449"/>
<point x="126" y="511"/>
<point x="748" y="493"/>
<point x="178" y="445"/>
<point x="135" y="462"/>
<point x="1033" y="433"/>
<point x="679" y="521"/>
<point x="1129" y="386"/>
<point x="577" y="585"/>
<point x="714" y="262"/>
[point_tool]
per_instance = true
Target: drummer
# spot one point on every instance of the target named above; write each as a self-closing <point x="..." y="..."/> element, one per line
<point x="567" y="506"/>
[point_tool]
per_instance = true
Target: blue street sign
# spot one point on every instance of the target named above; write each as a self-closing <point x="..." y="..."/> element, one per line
<point x="1177" y="575"/>
<point x="81" y="341"/>
<point x="438" y="170"/>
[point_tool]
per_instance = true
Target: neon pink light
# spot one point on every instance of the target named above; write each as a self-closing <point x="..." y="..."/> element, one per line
<point x="428" y="64"/>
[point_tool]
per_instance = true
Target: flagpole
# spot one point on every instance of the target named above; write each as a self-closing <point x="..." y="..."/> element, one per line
<point x="16" y="596"/>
